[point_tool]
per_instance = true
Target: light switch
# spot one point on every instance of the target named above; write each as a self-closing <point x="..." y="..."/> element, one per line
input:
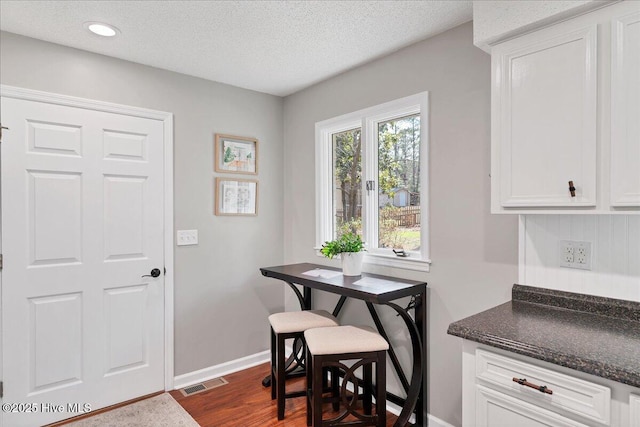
<point x="187" y="237"/>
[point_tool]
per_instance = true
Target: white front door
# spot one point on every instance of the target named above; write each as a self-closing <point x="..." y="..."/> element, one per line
<point x="82" y="222"/>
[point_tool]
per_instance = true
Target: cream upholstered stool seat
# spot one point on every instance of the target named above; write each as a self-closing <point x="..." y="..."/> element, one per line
<point x="300" y="321"/>
<point x="327" y="348"/>
<point x="286" y="325"/>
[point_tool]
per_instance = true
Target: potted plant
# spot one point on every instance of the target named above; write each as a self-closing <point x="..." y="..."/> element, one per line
<point x="350" y="248"/>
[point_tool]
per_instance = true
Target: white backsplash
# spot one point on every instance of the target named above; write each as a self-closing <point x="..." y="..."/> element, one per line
<point x="615" y="254"/>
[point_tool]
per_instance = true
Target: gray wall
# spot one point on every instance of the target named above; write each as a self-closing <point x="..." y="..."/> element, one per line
<point x="474" y="254"/>
<point x="221" y="301"/>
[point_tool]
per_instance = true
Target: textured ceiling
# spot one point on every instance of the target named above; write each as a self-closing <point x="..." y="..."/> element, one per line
<point x="277" y="47"/>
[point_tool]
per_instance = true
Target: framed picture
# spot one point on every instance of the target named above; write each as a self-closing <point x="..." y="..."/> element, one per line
<point x="236" y="154"/>
<point x="236" y="196"/>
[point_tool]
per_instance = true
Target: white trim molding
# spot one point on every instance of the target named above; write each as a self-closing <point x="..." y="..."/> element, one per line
<point x="226" y="368"/>
<point x="85" y="103"/>
<point x="367" y="120"/>
<point x="167" y="119"/>
<point x="437" y="422"/>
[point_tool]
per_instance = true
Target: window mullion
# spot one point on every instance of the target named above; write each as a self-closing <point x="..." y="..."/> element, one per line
<point x="370" y="172"/>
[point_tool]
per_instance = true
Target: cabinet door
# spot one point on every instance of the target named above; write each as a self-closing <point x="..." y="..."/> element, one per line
<point x="544" y="107"/>
<point x="496" y="409"/>
<point x="634" y="407"/>
<point x="625" y="111"/>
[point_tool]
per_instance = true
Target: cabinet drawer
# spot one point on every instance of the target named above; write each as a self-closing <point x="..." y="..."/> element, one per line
<point x="495" y="409"/>
<point x="570" y="395"/>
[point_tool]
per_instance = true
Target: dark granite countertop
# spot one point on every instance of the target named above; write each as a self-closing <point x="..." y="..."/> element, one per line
<point x="596" y="335"/>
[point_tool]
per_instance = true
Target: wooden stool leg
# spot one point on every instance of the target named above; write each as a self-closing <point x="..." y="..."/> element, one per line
<point x="280" y="375"/>
<point x="367" y="388"/>
<point x="325" y="378"/>
<point x="335" y="387"/>
<point x="381" y="387"/>
<point x="316" y="393"/>
<point x="309" y="371"/>
<point x="273" y="365"/>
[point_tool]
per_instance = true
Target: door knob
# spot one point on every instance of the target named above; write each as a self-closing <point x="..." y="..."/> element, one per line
<point x="154" y="273"/>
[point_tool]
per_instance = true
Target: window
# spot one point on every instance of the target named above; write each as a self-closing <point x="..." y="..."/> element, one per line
<point x="371" y="179"/>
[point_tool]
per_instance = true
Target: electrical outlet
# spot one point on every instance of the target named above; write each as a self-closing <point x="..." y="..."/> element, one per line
<point x="568" y="258"/>
<point x="575" y="254"/>
<point x="567" y="253"/>
<point x="582" y="255"/>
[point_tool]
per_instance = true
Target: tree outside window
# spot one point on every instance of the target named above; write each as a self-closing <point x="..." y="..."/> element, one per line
<point x="371" y="166"/>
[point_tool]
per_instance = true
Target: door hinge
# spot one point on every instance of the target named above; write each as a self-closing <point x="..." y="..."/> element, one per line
<point x="1" y="261"/>
<point x="1" y="389"/>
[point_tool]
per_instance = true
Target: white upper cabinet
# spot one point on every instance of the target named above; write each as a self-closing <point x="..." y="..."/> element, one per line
<point x="566" y="108"/>
<point x="625" y="110"/>
<point x="545" y="95"/>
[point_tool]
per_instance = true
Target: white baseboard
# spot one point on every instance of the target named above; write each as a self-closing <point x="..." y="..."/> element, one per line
<point x="437" y="422"/>
<point x="433" y="421"/>
<point x="395" y="410"/>
<point x="250" y="361"/>
<point x="226" y="368"/>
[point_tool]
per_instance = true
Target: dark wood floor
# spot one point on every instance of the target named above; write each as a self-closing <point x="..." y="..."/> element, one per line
<point x="245" y="402"/>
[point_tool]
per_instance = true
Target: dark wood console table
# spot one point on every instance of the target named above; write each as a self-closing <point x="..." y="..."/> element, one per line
<point x="382" y="290"/>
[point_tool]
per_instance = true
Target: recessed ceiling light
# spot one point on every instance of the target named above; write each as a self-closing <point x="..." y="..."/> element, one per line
<point x="101" y="29"/>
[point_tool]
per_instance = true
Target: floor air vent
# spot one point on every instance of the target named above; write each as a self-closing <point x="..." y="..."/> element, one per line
<point x="200" y="387"/>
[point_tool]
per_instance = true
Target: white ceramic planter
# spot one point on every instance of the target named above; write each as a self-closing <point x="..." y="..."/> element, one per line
<point x="352" y="263"/>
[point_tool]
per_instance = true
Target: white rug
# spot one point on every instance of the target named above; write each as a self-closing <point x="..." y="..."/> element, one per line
<point x="158" y="411"/>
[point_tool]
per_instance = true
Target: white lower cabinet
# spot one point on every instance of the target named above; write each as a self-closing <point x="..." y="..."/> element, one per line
<point x="634" y="410"/>
<point x="497" y="409"/>
<point x="503" y="389"/>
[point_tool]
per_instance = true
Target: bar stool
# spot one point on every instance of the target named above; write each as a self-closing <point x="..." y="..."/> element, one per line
<point x="327" y="348"/>
<point x="286" y="325"/>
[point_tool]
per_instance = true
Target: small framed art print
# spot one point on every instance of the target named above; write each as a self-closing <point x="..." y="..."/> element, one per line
<point x="236" y="196"/>
<point x="236" y="154"/>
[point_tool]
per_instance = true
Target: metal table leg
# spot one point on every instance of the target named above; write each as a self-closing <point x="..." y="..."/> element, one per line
<point x="417" y="386"/>
<point x="422" y="326"/>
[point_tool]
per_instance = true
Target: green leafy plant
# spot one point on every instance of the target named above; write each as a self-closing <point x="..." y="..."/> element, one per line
<point x="348" y="242"/>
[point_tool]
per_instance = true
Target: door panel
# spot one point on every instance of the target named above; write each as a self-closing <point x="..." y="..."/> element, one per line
<point x="55" y="345"/>
<point x="54" y="138"/>
<point x="126" y="328"/>
<point x="124" y="146"/>
<point x="124" y="217"/>
<point x="625" y="111"/>
<point x="82" y="222"/>
<point x="55" y="217"/>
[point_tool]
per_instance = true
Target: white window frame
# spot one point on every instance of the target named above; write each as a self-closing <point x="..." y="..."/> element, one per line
<point x="367" y="120"/>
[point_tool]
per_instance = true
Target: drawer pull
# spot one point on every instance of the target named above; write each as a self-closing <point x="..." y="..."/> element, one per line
<point x="541" y="388"/>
